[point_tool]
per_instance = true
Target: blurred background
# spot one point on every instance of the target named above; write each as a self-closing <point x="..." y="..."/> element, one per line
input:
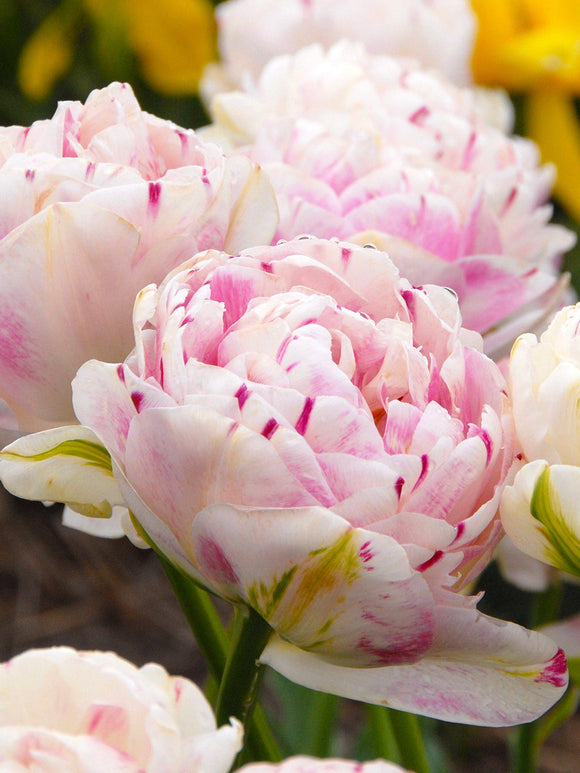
<point x="59" y="586"/>
<point x="52" y="50"/>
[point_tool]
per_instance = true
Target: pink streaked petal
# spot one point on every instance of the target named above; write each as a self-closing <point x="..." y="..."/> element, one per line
<point x="176" y="219"/>
<point x="481" y="672"/>
<point x="455" y="479"/>
<point x="344" y="593"/>
<point x="107" y="398"/>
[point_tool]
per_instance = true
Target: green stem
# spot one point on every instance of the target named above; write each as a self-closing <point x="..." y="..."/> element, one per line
<point x="409" y="739"/>
<point x="524" y="751"/>
<point x="527" y="741"/>
<point x="322" y="708"/>
<point x="202" y="617"/>
<point x="384" y="741"/>
<point x="243" y="672"/>
<point x="213" y="641"/>
<point x="546" y="608"/>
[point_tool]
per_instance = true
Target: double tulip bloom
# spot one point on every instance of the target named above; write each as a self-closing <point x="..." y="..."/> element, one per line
<point x="98" y="201"/>
<point x="89" y="712"/>
<point x="305" y="433"/>
<point x="439" y="33"/>
<point x="372" y="148"/>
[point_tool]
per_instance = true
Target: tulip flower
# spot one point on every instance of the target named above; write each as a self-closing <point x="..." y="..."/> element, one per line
<point x="438" y="33"/>
<point x="333" y="464"/>
<point x="540" y="511"/>
<point x="98" y="201"/>
<point x="532" y="47"/>
<point x="374" y="149"/>
<point x="87" y="712"/>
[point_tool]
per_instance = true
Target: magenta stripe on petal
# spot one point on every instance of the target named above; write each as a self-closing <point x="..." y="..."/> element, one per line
<point x="302" y="422"/>
<point x="556" y="672"/>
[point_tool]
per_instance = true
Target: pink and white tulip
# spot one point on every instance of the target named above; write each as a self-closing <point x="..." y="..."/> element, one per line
<point x="97" y="202"/>
<point x="313" y="765"/>
<point x="370" y="148"/>
<point x="439" y="33"/>
<point x="334" y="463"/>
<point x="540" y="511"/>
<point x="89" y="712"/>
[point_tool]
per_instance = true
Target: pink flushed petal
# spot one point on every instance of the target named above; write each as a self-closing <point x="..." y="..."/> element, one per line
<point x="70" y="249"/>
<point x="505" y="285"/>
<point x="344" y="593"/>
<point x="302" y="217"/>
<point x="427" y="220"/>
<point x="167" y="449"/>
<point x="369" y="272"/>
<point x="288" y="334"/>
<point x="484" y="389"/>
<point x="33" y="748"/>
<point x="481" y="672"/>
<point x="435" y="435"/>
<point x="429" y="307"/>
<point x="153" y="527"/>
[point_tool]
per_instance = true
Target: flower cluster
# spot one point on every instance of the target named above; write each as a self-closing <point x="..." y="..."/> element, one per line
<point x="302" y="416"/>
<point x="333" y="463"/>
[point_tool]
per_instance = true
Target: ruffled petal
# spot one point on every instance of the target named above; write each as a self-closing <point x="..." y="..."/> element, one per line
<point x="480" y="671"/>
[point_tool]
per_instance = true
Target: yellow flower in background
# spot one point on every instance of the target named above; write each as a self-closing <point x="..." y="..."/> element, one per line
<point x="173" y="40"/>
<point x="533" y="47"/>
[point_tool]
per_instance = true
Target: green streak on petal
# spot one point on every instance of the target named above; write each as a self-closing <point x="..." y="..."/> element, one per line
<point x="266" y="598"/>
<point x="92" y="453"/>
<point x="323" y="571"/>
<point x="328" y="568"/>
<point x="564" y="550"/>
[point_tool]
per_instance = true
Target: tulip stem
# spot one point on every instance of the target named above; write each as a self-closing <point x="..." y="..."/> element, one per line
<point x="213" y="641"/>
<point x="409" y="740"/>
<point x="527" y="741"/>
<point x="384" y="742"/>
<point x="202" y="617"/>
<point x="319" y="724"/>
<point x="243" y="672"/>
<point x="547" y="605"/>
